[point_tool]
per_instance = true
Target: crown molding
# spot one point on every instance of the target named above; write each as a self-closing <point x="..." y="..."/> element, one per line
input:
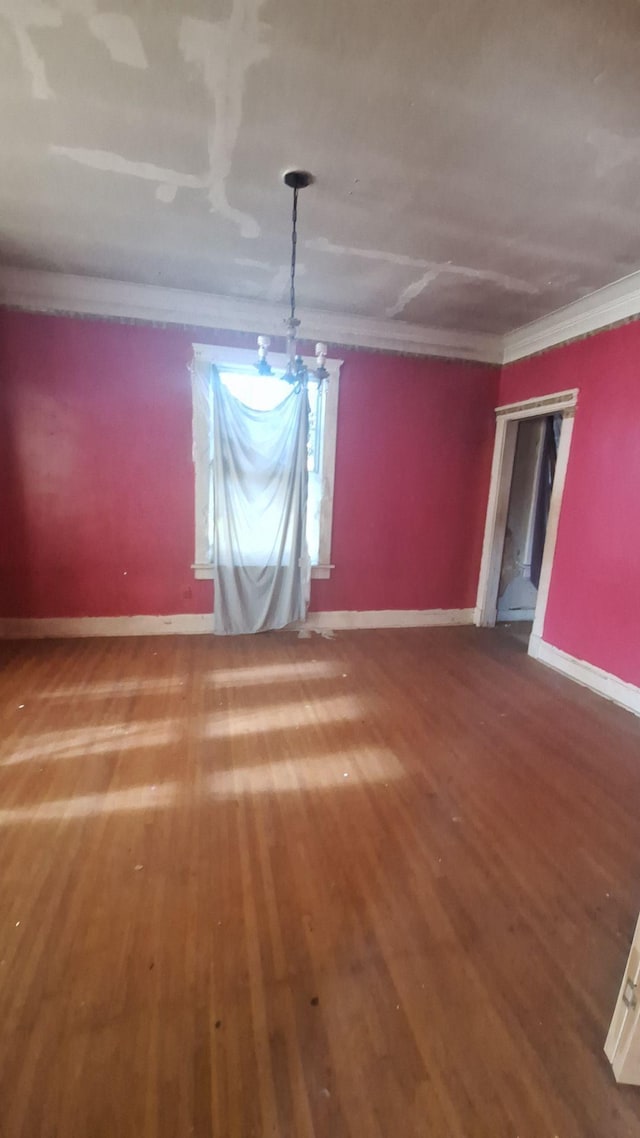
<point x="64" y="293"/>
<point x="93" y="296"/>
<point x="617" y="301"/>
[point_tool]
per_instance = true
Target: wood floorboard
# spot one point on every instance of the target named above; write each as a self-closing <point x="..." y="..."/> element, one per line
<point x="267" y="887"/>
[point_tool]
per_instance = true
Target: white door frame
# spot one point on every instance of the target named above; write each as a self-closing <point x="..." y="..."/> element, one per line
<point x="507" y="419"/>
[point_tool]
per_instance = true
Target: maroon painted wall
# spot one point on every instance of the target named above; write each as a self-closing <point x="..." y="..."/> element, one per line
<point x="594" y="601"/>
<point x="96" y="478"/>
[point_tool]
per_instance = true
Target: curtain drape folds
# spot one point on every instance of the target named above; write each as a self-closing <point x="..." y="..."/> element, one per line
<point x="259" y="476"/>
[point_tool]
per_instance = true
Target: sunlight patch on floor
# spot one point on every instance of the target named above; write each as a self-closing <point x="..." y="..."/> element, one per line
<point x="93" y="741"/>
<point x="133" y="686"/>
<point x="273" y="673"/>
<point x="87" y="805"/>
<point x="321" y="771"/>
<point x="282" y="716"/>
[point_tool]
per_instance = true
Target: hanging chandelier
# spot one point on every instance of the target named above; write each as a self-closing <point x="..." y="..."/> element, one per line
<point x="296" y="371"/>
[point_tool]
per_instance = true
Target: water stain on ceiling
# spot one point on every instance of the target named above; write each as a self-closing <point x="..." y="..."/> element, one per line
<point x="477" y="161"/>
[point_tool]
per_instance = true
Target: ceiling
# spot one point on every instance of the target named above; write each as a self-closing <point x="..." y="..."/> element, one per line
<point x="477" y="161"/>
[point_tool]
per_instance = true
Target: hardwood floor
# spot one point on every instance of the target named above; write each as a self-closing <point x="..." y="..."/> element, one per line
<point x="382" y="885"/>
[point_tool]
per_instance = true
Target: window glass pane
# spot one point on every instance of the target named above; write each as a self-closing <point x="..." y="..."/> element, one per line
<point x="260" y="392"/>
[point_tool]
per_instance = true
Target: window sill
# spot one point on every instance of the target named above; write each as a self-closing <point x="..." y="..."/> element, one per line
<point x="321" y="572"/>
<point x="206" y="573"/>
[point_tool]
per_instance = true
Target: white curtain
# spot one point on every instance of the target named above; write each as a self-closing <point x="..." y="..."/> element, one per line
<point x="260" y="476"/>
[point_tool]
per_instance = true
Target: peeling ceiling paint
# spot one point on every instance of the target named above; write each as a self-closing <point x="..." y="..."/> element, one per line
<point x="478" y="162"/>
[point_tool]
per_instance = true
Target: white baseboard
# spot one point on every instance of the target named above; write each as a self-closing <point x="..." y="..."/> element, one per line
<point x="603" y="683"/>
<point x="389" y="618"/>
<point x="49" y="628"/>
<point x="198" y="623"/>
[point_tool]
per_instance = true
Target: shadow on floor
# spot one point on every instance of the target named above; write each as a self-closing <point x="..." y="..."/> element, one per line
<point x="519" y="630"/>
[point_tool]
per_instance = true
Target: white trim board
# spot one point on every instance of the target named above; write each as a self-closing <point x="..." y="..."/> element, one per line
<point x="198" y="623"/>
<point x="617" y="301"/>
<point x="596" y="679"/>
<point x="389" y="618"/>
<point x="73" y="627"/>
<point x="540" y="405"/>
<point x="66" y="294"/>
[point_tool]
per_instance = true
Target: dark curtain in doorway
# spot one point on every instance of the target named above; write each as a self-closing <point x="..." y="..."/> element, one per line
<point x="547" y="471"/>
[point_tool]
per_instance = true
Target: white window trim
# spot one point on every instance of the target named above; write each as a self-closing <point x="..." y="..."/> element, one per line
<point x="203" y="356"/>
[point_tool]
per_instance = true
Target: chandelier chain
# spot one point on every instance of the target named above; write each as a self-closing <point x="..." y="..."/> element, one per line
<point x="294" y="242"/>
<point x="296" y="372"/>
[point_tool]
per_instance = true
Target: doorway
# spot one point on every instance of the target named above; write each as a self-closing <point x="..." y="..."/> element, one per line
<point x="530" y="459"/>
<point x="534" y="468"/>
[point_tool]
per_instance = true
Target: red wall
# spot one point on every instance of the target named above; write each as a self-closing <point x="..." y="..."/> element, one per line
<point x="96" y="479"/>
<point x="594" y="601"/>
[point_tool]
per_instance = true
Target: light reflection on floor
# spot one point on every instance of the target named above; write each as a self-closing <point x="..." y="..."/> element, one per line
<point x="102" y="739"/>
<point x="85" y="805"/>
<point x="282" y="716"/>
<point x="355" y="766"/>
<point x="86" y="690"/>
<point x="272" y="673"/>
<point x="284" y="775"/>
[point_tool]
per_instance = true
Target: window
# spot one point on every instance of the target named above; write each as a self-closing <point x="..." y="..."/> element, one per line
<point x="237" y="370"/>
